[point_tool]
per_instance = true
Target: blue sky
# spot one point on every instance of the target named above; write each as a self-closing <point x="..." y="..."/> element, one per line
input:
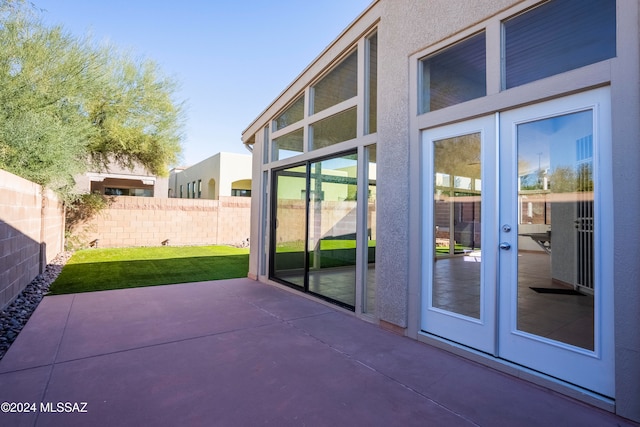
<point x="231" y="57"/>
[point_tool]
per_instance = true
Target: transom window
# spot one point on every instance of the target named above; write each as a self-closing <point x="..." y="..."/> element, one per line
<point x="558" y="36"/>
<point x="334" y="129"/>
<point x="339" y="85"/>
<point x="288" y="145"/>
<point x="454" y="75"/>
<point x="552" y="38"/>
<point x="291" y="115"/>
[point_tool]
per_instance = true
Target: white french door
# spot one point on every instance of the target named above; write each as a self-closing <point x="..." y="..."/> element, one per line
<point x="541" y="295"/>
<point x="459" y="259"/>
<point x="556" y="300"/>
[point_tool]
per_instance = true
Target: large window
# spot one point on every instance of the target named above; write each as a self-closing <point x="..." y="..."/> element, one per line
<point x="287" y="145"/>
<point x="339" y="85"/>
<point x="558" y="36"/>
<point x="291" y="115"/>
<point x="320" y="222"/>
<point x="332" y="130"/>
<point x="369" y="297"/>
<point x="371" y="82"/>
<point x="454" y="75"/>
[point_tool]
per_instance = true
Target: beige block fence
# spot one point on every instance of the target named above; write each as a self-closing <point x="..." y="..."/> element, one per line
<point x="150" y="221"/>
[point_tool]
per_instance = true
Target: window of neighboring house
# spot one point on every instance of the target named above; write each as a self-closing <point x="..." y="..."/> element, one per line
<point x="558" y="36"/>
<point x="188" y="190"/>
<point x="453" y="75"/>
<point x="294" y="113"/>
<point x="199" y="188"/>
<point x="340" y="84"/>
<point x="181" y="188"/>
<point x="287" y="145"/>
<point x="240" y="193"/>
<point x="193" y="194"/>
<point x="134" y="192"/>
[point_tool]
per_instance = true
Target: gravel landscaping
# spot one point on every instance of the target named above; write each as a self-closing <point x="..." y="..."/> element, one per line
<point x="15" y="315"/>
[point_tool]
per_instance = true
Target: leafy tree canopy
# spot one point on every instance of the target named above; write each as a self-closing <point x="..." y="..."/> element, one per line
<point x="68" y="105"/>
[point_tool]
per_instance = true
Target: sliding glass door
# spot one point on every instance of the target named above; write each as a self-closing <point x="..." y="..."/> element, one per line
<point x="316" y="227"/>
<point x="289" y="223"/>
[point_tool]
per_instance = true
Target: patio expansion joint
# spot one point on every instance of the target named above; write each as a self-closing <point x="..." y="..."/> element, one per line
<point x="355" y="359"/>
<point x="158" y="344"/>
<point x="55" y="357"/>
<point x="286" y="320"/>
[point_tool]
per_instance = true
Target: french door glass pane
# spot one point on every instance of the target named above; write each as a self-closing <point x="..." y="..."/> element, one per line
<point x="555" y="230"/>
<point x="456" y="219"/>
<point x="290" y="225"/>
<point x="332" y="228"/>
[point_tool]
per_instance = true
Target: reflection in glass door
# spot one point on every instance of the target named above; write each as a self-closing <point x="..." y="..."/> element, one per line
<point x="555" y="228"/>
<point x="332" y="228"/>
<point x="289" y="220"/>
<point x="460" y="274"/>
<point x="555" y="300"/>
<point x="518" y="265"/>
<point x="457" y="202"/>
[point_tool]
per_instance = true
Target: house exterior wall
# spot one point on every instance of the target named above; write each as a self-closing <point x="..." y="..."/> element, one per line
<point x="407" y="31"/>
<point x="219" y="174"/>
<point x="118" y="177"/>
<point x="31" y="233"/>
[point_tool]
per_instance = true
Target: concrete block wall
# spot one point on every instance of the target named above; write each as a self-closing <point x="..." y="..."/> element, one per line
<point x="31" y="233"/>
<point x="234" y="220"/>
<point x="146" y="221"/>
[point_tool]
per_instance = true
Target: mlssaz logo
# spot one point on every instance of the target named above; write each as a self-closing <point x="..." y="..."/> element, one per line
<point x="65" y="407"/>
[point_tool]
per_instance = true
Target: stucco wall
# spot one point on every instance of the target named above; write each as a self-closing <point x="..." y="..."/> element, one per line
<point x="31" y="233"/>
<point x="407" y="27"/>
<point x="144" y="221"/>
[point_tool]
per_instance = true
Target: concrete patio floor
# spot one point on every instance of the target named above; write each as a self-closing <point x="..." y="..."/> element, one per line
<point x="241" y="353"/>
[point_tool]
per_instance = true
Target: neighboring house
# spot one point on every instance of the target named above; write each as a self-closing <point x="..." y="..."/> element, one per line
<point x="504" y="227"/>
<point x="223" y="174"/>
<point x="119" y="181"/>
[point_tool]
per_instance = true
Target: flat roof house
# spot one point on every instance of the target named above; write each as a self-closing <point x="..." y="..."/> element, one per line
<point x="468" y="175"/>
<point x="117" y="180"/>
<point x="223" y="174"/>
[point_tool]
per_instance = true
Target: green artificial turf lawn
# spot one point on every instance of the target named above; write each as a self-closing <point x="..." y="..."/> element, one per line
<point x="104" y="269"/>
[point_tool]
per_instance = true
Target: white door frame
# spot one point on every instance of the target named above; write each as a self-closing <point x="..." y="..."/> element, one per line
<point x="496" y="331"/>
<point x="476" y="333"/>
<point x="593" y="370"/>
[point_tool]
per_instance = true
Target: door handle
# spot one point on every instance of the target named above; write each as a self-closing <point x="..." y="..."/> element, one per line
<point x="505" y="246"/>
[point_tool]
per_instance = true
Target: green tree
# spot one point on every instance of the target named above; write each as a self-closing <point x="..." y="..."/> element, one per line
<point x="68" y="105"/>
